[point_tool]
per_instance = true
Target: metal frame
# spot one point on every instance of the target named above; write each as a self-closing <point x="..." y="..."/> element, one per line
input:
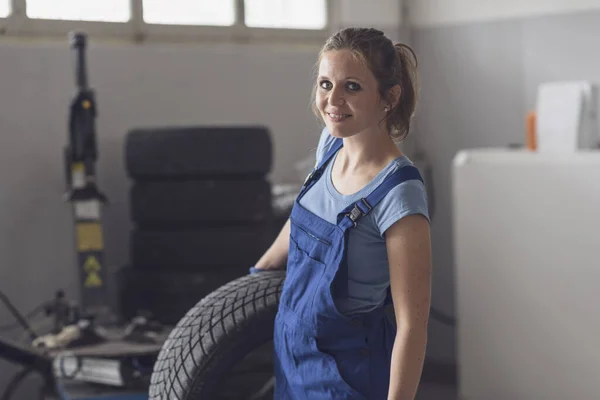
<point x="17" y="24"/>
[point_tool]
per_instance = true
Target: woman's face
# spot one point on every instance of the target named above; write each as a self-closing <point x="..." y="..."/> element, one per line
<point x="347" y="95"/>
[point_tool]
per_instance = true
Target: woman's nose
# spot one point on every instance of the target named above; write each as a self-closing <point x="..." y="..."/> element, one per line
<point x="336" y="97"/>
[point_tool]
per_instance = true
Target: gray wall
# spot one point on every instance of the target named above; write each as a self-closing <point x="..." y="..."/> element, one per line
<point x="478" y="82"/>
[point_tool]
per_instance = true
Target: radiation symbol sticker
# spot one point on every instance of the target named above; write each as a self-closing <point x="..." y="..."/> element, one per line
<point x="92" y="268"/>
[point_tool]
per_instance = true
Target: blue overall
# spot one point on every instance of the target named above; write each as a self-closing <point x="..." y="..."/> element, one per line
<point x="320" y="353"/>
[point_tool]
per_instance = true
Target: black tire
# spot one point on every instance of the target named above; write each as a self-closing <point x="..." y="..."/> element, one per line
<point x="200" y="249"/>
<point x="200" y="358"/>
<point x="193" y="203"/>
<point x="192" y="152"/>
<point x="168" y="295"/>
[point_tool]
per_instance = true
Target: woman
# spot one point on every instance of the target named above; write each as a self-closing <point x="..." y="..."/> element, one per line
<point x="358" y="236"/>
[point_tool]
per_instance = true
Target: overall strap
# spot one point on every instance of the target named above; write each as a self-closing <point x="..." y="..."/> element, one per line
<point x="318" y="170"/>
<point x="350" y="215"/>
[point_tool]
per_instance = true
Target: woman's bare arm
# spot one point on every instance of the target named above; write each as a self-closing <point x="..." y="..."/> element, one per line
<point x="409" y="252"/>
<point x="276" y="255"/>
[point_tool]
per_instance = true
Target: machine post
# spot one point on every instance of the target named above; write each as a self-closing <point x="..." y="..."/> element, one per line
<point x="80" y="157"/>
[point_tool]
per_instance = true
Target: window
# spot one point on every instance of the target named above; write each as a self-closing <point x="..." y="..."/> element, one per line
<point x="156" y="20"/>
<point x="5" y="8"/>
<point x="77" y="10"/>
<point x="293" y="14"/>
<point x="189" y="12"/>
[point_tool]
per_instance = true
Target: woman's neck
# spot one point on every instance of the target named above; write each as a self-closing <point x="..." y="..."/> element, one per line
<point x="367" y="150"/>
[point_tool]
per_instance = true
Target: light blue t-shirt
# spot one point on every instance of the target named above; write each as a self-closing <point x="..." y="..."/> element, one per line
<point x="368" y="269"/>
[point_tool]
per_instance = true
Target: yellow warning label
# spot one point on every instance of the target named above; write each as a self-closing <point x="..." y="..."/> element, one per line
<point x="91" y="266"/>
<point x="77" y="167"/>
<point x="89" y="237"/>
<point x="93" y="280"/>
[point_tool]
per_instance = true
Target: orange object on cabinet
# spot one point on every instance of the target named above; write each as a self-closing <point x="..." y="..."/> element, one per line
<point x="530" y="133"/>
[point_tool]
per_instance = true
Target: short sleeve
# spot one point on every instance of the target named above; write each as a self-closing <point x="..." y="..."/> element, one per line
<point x="325" y="142"/>
<point x="408" y="198"/>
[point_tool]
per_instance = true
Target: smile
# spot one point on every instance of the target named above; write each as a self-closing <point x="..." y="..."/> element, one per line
<point x="338" y="117"/>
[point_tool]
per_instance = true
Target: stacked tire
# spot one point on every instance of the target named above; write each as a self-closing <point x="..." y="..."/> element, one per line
<point x="201" y="207"/>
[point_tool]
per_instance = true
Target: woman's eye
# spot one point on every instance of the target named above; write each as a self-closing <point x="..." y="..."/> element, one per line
<point x="353" y="86"/>
<point x="325" y="85"/>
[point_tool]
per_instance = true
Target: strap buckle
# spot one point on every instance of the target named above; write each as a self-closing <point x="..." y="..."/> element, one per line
<point x="356" y="212"/>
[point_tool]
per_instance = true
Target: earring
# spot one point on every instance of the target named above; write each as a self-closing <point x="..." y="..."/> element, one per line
<point x="386" y="109"/>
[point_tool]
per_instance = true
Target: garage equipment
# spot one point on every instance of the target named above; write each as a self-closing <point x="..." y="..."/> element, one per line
<point x="92" y="356"/>
<point x="81" y="155"/>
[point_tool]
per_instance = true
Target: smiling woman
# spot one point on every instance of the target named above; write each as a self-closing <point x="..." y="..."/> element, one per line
<point x="332" y="338"/>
